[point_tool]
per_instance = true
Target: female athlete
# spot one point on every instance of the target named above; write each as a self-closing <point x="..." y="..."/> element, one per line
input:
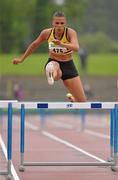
<point x="62" y="43"/>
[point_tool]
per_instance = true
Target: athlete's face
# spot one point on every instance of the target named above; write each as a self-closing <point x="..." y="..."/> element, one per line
<point x="59" y="23"/>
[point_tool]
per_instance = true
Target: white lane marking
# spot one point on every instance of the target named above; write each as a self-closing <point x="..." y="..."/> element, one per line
<point x="13" y="171"/>
<point x="97" y="134"/>
<point x="51" y="136"/>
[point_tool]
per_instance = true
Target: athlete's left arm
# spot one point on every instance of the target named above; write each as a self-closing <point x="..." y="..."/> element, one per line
<point x="74" y="44"/>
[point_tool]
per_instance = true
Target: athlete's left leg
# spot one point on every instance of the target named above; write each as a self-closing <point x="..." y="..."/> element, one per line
<point x="74" y="86"/>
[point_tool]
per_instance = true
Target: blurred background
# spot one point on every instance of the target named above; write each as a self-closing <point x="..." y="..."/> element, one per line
<point x="97" y="60"/>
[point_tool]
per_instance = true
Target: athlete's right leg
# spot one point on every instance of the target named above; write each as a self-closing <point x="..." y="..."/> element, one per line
<point x="53" y="72"/>
<point x="76" y="91"/>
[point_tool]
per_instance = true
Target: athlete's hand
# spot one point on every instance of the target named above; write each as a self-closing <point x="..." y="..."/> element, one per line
<point x="56" y="41"/>
<point x="16" y="61"/>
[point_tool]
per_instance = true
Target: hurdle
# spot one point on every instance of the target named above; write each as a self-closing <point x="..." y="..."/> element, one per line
<point x="8" y="105"/>
<point x="112" y="106"/>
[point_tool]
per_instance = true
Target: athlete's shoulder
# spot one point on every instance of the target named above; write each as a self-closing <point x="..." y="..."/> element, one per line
<point x="71" y="33"/>
<point x="46" y="32"/>
<point x="70" y="30"/>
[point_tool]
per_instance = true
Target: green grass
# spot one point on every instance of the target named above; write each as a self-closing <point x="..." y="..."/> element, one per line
<point x="105" y="64"/>
<point x="98" y="64"/>
<point x="33" y="65"/>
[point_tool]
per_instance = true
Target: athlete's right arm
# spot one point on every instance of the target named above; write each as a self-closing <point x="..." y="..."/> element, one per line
<point x="33" y="46"/>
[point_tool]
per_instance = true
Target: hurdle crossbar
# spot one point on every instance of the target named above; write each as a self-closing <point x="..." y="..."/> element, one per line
<point x="113" y="106"/>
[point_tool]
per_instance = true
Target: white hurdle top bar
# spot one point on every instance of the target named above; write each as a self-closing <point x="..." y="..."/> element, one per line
<point x="4" y="103"/>
<point x="68" y="105"/>
<point x="59" y="105"/>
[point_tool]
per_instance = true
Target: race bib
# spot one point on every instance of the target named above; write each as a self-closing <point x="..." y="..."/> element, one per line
<point x="56" y="48"/>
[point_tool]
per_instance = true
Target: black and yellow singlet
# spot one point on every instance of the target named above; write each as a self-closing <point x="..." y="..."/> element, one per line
<point x="57" y="48"/>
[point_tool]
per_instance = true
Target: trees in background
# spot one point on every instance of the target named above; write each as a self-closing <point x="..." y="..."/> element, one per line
<point x="101" y="16"/>
<point x="99" y="26"/>
<point x="6" y="25"/>
<point x="22" y="21"/>
<point x="15" y="18"/>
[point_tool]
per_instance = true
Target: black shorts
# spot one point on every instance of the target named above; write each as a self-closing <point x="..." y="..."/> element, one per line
<point x="68" y="69"/>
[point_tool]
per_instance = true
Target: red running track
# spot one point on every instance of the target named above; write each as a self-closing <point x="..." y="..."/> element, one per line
<point x="42" y="145"/>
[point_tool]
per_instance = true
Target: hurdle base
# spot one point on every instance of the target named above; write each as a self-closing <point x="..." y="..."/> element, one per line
<point x="9" y="177"/>
<point x="110" y="164"/>
<point x="3" y="173"/>
<point x="114" y="168"/>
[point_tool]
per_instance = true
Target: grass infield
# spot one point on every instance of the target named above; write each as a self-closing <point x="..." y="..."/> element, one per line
<point x="97" y="64"/>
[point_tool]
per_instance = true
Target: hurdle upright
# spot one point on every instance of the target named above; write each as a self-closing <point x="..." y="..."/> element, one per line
<point x="8" y="105"/>
<point x="113" y="106"/>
